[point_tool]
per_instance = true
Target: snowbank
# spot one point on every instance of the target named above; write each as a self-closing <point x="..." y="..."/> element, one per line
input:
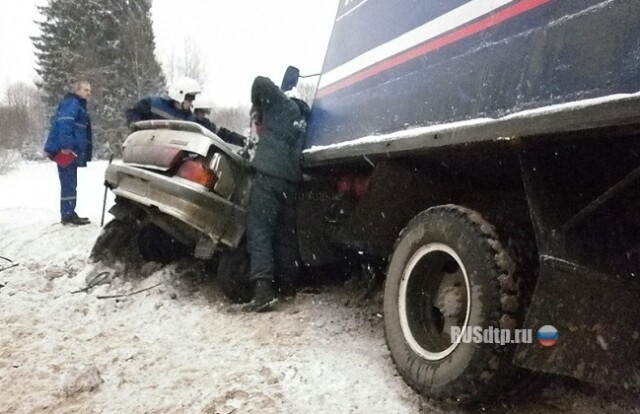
<point x="177" y="348"/>
<point x="180" y="347"/>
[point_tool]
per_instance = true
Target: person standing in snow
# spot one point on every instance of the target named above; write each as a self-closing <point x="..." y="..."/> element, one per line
<point x="175" y="105"/>
<point x="70" y="138"/>
<point x="201" y="110"/>
<point x="271" y="240"/>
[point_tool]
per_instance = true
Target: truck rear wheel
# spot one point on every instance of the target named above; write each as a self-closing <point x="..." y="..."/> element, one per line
<point x="449" y="270"/>
<point x="233" y="274"/>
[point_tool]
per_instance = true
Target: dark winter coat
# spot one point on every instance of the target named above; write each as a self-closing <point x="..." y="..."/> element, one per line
<point x="71" y="129"/>
<point x="157" y="107"/>
<point x="224" y="133"/>
<point x="281" y="133"/>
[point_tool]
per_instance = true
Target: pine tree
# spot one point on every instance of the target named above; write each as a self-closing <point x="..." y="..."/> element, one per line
<point x="111" y="44"/>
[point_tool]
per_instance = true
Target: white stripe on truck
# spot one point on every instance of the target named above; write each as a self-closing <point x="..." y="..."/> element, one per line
<point x="445" y="23"/>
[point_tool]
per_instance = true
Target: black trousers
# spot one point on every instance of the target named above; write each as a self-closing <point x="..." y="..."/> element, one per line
<point x="271" y="235"/>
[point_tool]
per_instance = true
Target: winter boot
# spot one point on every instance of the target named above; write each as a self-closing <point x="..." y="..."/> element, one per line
<point x="264" y="297"/>
<point x="75" y="220"/>
<point x="85" y="220"/>
<point x="287" y="290"/>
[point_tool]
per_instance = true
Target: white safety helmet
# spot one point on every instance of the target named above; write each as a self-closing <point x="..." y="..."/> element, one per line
<point x="182" y="87"/>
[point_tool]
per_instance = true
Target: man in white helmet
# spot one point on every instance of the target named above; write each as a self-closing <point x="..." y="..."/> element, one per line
<point x="202" y="109"/>
<point x="175" y="105"/>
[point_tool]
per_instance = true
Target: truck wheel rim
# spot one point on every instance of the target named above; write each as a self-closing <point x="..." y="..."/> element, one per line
<point x="434" y="296"/>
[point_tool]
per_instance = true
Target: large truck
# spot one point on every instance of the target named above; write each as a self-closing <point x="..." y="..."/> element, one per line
<point x="484" y="155"/>
<point x="487" y="152"/>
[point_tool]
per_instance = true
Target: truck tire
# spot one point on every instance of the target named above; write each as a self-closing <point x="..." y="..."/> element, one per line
<point x="449" y="269"/>
<point x="156" y="245"/>
<point x="233" y="274"/>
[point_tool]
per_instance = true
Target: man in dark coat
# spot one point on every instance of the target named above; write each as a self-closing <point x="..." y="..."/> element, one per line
<point x="70" y="138"/>
<point x="175" y="105"/>
<point x="271" y="239"/>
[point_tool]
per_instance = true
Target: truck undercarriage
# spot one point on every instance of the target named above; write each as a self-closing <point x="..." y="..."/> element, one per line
<point x="560" y="208"/>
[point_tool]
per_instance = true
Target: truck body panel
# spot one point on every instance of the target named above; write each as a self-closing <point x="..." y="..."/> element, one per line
<point x="396" y="66"/>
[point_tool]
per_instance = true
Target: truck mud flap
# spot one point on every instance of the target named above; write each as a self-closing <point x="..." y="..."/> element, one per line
<point x="598" y="321"/>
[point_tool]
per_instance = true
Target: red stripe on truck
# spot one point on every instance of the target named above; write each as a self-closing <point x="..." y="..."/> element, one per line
<point x="463" y="32"/>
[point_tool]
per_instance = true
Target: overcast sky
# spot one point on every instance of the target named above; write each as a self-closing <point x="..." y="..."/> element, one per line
<point x="235" y="39"/>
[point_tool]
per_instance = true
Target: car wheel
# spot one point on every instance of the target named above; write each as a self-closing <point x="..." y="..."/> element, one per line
<point x="233" y="274"/>
<point x="115" y="241"/>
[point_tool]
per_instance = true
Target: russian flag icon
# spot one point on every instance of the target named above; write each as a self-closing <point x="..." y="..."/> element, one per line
<point x="548" y="335"/>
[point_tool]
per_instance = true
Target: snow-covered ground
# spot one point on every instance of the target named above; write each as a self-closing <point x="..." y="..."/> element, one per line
<point x="180" y="347"/>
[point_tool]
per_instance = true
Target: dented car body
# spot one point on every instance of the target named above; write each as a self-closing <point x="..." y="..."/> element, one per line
<point x="187" y="180"/>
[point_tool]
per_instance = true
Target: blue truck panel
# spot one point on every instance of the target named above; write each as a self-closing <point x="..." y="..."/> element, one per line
<point x="441" y="62"/>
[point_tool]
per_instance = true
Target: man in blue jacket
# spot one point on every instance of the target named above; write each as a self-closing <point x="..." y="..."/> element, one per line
<point x="176" y="105"/>
<point x="281" y="121"/>
<point x="70" y="135"/>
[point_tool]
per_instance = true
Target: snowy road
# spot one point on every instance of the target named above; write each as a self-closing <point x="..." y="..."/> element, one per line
<point x="180" y="347"/>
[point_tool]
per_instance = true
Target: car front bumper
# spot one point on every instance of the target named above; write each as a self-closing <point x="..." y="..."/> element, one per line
<point x="192" y="203"/>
